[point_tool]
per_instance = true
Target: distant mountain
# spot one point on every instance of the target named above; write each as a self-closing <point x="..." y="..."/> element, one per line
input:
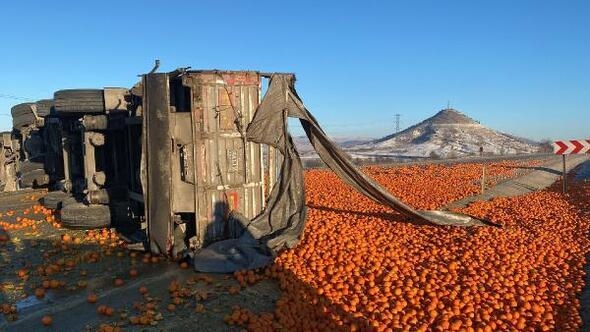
<point x="449" y="133"/>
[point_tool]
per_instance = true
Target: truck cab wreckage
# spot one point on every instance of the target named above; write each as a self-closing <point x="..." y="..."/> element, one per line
<point x="199" y="160"/>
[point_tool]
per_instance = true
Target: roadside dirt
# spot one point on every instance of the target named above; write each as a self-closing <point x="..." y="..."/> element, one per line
<point x="80" y="263"/>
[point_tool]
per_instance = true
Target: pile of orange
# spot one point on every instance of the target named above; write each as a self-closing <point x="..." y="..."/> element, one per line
<point x="104" y="237"/>
<point x="362" y="267"/>
<point x="241" y="316"/>
<point x="245" y="277"/>
<point x="19" y="224"/>
<point x="421" y="186"/>
<point x="24" y="221"/>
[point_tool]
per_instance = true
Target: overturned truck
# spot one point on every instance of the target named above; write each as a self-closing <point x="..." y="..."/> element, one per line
<point x="194" y="163"/>
<point x="220" y="174"/>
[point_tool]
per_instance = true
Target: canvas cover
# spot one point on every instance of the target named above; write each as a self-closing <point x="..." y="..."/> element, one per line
<point x="281" y="223"/>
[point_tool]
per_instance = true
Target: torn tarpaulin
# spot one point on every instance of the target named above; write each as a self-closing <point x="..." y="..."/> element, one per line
<point x="281" y="224"/>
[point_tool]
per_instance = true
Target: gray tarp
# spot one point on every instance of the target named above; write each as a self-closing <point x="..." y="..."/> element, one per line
<point x="281" y="224"/>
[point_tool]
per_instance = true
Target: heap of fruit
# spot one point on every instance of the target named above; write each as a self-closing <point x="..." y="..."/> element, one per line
<point x="361" y="267"/>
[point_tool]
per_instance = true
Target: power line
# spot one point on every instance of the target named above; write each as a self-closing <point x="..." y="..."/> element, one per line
<point x="374" y="123"/>
<point x="338" y="125"/>
<point x="9" y="96"/>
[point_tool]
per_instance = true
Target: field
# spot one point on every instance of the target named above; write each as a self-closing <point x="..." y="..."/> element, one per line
<point x="359" y="266"/>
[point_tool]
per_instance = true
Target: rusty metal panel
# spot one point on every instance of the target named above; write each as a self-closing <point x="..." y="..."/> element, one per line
<point x="182" y="163"/>
<point x="230" y="173"/>
<point x="199" y="165"/>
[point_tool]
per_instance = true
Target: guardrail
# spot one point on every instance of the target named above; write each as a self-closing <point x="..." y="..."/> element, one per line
<point x="313" y="163"/>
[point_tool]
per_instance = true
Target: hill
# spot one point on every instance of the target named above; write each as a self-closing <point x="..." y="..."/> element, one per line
<point x="449" y="133"/>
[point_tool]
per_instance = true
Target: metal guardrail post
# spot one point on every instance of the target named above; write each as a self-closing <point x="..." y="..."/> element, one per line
<point x="564" y="175"/>
<point x="483" y="172"/>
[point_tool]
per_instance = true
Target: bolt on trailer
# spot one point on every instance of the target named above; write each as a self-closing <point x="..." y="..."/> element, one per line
<point x="197" y="165"/>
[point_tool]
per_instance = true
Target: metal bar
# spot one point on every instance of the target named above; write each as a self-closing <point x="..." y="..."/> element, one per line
<point x="483" y="179"/>
<point x="195" y="163"/>
<point x="89" y="161"/>
<point x="564" y="175"/>
<point x="268" y="75"/>
<point x="483" y="171"/>
<point x="158" y="150"/>
<point x="66" y="159"/>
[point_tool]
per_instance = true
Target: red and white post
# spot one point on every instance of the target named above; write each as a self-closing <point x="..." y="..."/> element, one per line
<point x="578" y="146"/>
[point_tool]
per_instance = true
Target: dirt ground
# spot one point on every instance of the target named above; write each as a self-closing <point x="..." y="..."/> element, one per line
<point x="83" y="266"/>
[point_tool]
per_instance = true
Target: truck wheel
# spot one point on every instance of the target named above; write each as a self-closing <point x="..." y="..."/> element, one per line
<point x="34" y="145"/>
<point x="67" y="201"/>
<point x="28" y="166"/>
<point x="44" y="107"/>
<point x="22" y="115"/>
<point x="82" y="216"/>
<point x="53" y="199"/>
<point x="34" y="179"/>
<point x="120" y="213"/>
<point x="79" y="101"/>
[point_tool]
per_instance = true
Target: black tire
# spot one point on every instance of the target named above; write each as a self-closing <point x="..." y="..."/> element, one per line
<point x="22" y="115"/>
<point x="120" y="213"/>
<point x="34" y="145"/>
<point x="82" y="216"/>
<point x="34" y="179"/>
<point x="53" y="199"/>
<point x="79" y="101"/>
<point x="44" y="107"/>
<point x="67" y="201"/>
<point x="28" y="166"/>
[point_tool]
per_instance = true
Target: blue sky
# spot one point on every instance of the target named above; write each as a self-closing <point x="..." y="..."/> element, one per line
<point x="522" y="67"/>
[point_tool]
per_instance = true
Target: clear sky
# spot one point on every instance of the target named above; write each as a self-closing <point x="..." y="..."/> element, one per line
<point x="522" y="67"/>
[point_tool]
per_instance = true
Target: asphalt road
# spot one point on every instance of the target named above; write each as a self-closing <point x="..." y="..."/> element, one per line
<point x="67" y="304"/>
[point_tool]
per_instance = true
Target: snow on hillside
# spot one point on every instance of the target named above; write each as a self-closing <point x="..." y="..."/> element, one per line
<point x="449" y="133"/>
